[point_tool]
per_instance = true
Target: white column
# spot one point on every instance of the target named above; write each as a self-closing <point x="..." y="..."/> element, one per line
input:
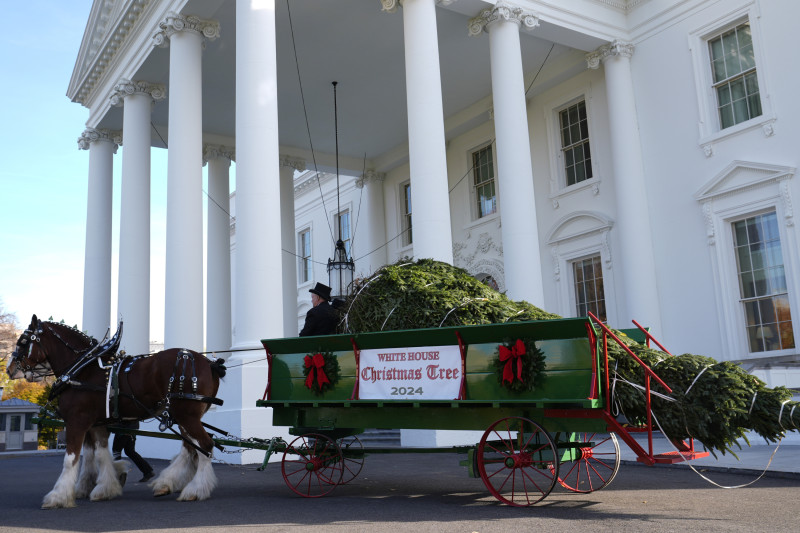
<point x="183" y="283"/>
<point x="521" y="253"/>
<point x="102" y="145"/>
<point x="636" y="259"/>
<point x="218" y="262"/>
<point x="289" y="243"/>
<point x="258" y="270"/>
<point x="373" y="224"/>
<point x="426" y="143"/>
<point x="133" y="302"/>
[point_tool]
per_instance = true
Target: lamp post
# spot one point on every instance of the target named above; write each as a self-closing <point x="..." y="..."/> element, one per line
<point x="340" y="268"/>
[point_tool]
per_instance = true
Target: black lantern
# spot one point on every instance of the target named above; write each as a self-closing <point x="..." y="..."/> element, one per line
<point x="340" y="268"/>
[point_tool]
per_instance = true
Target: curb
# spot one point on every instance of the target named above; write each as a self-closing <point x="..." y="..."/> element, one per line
<point x="755" y="473"/>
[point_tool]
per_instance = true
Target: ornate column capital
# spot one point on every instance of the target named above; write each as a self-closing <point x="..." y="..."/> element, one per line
<point x="612" y="49"/>
<point x="216" y="151"/>
<point x="369" y="176"/>
<point x="124" y="88"/>
<point x="501" y="11"/>
<point x="390" y="6"/>
<point x="296" y="163"/>
<point x="92" y="135"/>
<point x="175" y="23"/>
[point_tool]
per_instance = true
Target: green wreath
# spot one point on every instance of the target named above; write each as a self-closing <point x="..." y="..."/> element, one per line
<point x="519" y="365"/>
<point x="321" y="371"/>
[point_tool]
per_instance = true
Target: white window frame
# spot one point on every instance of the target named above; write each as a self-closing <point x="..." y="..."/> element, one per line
<point x="577" y="236"/>
<point x="306" y="228"/>
<point x="571" y="270"/>
<point x="709" y="122"/>
<point x="744" y="189"/>
<point x="347" y="208"/>
<point x="558" y="175"/>
<point x="473" y="194"/>
<point x="406" y="240"/>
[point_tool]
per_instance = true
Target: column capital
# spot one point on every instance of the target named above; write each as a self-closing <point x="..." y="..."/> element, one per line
<point x="92" y="135"/>
<point x="390" y="6"/>
<point x="216" y="151"/>
<point x="368" y="177"/>
<point x="296" y="163"/>
<point x="175" y="23"/>
<point x="612" y="49"/>
<point x="124" y="88"/>
<point x="501" y="11"/>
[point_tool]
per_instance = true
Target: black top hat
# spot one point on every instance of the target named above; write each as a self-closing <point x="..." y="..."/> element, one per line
<point x="323" y="291"/>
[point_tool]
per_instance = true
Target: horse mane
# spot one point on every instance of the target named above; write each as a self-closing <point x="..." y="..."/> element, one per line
<point x="73" y="332"/>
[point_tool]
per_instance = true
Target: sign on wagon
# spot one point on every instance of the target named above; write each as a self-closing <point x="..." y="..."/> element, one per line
<point x="422" y="373"/>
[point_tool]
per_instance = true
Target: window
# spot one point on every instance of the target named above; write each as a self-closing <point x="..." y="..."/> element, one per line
<point x="28" y="421"/>
<point x="304" y="246"/>
<point x="762" y="283"/>
<point x="589" y="293"/>
<point x="733" y="69"/>
<point x="483" y="175"/>
<point x="406" y="210"/>
<point x="343" y="228"/>
<point x="575" y="143"/>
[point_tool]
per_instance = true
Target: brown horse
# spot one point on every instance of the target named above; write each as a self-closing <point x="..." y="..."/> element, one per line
<point x="95" y="387"/>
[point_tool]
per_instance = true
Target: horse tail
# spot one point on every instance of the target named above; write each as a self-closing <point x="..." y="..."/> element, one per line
<point x="218" y="368"/>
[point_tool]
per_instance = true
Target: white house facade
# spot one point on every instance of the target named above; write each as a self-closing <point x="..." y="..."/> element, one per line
<point x="632" y="158"/>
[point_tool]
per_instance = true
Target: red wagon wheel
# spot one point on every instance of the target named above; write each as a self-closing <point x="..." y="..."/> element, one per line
<point x="517" y="461"/>
<point x="596" y="463"/>
<point x="353" y="454"/>
<point x="312" y="465"/>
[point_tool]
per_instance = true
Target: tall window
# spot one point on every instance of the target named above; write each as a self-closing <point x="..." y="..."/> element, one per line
<point x="575" y="143"/>
<point x="589" y="295"/>
<point x="304" y="245"/>
<point x="343" y="228"/>
<point x="733" y="67"/>
<point x="762" y="283"/>
<point x="406" y="208"/>
<point x="483" y="172"/>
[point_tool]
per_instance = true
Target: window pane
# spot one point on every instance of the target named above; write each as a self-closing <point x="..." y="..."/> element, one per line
<point x="726" y="116"/>
<point x="740" y="112"/>
<point x="786" y="334"/>
<point x="757" y="255"/>
<point x="782" y="309"/>
<point x="743" y="253"/>
<point x="754" y="336"/>
<point x="760" y="281"/>
<point x="767" y="309"/>
<point x="731" y="49"/>
<point x="772" y="340"/>
<point x="748" y="287"/>
<point x="752" y="317"/>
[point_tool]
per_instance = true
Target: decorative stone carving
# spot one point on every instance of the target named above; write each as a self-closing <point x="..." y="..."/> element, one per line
<point x="786" y="196"/>
<point x="555" y="203"/>
<point x="390" y="6"/>
<point x="216" y="151"/>
<point x="708" y="216"/>
<point x="613" y="49"/>
<point x="124" y="88"/>
<point x="91" y="135"/>
<point x="768" y="129"/>
<point x="708" y="149"/>
<point x="556" y="262"/>
<point x="501" y="11"/>
<point x="595" y="190"/>
<point x="296" y="163"/>
<point x="175" y="23"/>
<point x="368" y="176"/>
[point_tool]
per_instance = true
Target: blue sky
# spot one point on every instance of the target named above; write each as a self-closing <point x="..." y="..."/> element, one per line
<point x="43" y="174"/>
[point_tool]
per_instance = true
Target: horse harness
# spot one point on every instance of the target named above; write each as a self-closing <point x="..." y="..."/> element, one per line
<point x="119" y="362"/>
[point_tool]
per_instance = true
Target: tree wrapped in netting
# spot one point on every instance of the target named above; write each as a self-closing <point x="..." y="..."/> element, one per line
<point x="713" y="402"/>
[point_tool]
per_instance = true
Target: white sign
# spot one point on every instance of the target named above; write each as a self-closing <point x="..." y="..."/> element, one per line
<point x="419" y="373"/>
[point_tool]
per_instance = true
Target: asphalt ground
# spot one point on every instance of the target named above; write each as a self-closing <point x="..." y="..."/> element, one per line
<point x="405" y="492"/>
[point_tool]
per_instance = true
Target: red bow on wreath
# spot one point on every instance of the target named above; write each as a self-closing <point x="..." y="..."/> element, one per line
<point x="509" y="355"/>
<point x="316" y="365"/>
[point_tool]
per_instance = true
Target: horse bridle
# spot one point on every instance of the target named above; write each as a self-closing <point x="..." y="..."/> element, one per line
<point x="22" y="358"/>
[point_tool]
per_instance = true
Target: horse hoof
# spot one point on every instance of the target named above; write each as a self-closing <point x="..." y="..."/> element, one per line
<point x="189" y="498"/>
<point x="161" y="491"/>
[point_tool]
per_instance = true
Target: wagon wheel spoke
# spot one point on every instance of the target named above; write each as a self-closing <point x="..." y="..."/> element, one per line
<point x="312" y="465"/>
<point x="353" y="458"/>
<point x="595" y="465"/>
<point x="521" y="468"/>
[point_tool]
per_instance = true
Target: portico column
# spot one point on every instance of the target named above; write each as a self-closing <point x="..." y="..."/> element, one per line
<point x="258" y="271"/>
<point x="218" y="251"/>
<point x="102" y="145"/>
<point x="521" y="253"/>
<point x="637" y="261"/>
<point x="288" y="243"/>
<point x="426" y="143"/>
<point x="375" y="223"/>
<point x="183" y="283"/>
<point x="133" y="302"/>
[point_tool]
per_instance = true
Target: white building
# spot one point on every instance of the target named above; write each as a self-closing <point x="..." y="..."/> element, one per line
<point x="645" y="149"/>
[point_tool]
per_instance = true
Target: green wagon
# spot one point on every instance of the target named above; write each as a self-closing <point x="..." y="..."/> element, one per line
<point x="538" y="390"/>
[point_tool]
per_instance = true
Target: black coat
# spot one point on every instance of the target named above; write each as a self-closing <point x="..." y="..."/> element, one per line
<point x="320" y="320"/>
